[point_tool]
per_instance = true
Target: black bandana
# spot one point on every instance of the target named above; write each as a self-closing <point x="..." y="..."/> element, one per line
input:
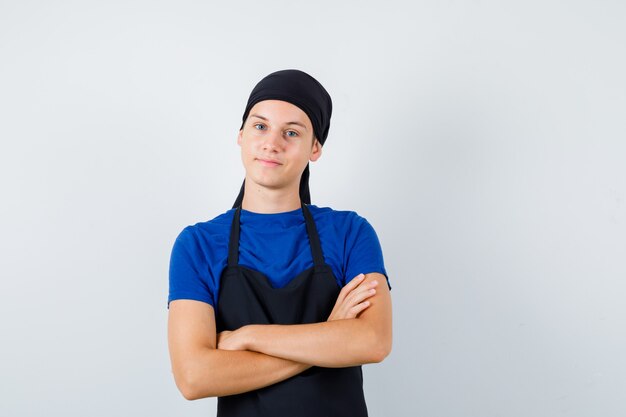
<point x="304" y="91"/>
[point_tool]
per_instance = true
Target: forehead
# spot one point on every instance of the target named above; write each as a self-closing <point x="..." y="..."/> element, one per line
<point x="280" y="112"/>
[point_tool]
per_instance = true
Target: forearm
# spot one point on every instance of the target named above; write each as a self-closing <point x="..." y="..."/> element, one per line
<point x="331" y="344"/>
<point x="216" y="372"/>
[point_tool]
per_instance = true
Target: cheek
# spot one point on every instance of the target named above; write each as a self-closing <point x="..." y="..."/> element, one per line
<point x="248" y="145"/>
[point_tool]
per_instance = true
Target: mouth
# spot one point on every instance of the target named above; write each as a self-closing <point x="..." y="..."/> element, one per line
<point x="268" y="162"/>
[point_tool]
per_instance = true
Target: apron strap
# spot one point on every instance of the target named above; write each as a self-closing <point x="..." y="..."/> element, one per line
<point x="314" y="238"/>
<point x="233" y="242"/>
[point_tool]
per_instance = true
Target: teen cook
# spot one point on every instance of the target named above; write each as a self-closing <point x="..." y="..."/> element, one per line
<point x="275" y="304"/>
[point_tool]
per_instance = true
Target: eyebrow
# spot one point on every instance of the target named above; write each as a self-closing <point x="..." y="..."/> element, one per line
<point x="289" y="123"/>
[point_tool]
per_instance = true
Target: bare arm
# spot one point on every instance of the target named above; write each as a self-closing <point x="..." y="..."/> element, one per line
<point x="200" y="370"/>
<point x="366" y="338"/>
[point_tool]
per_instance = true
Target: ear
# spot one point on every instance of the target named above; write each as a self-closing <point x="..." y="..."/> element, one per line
<point x="239" y="137"/>
<point x="316" y="151"/>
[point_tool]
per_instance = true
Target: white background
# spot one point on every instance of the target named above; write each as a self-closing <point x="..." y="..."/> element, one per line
<point x="485" y="141"/>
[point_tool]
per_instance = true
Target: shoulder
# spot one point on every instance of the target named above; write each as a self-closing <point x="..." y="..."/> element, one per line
<point x="348" y="220"/>
<point x="204" y="233"/>
<point x="352" y="242"/>
<point x="353" y="231"/>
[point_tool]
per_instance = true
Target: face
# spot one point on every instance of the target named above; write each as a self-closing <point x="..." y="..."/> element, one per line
<point x="277" y="141"/>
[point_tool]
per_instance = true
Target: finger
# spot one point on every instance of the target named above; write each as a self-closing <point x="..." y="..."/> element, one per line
<point x="356" y="301"/>
<point x="354" y="311"/>
<point x="370" y="284"/>
<point x="354" y="282"/>
<point x="362" y="295"/>
<point x="362" y="286"/>
<point x="361" y="290"/>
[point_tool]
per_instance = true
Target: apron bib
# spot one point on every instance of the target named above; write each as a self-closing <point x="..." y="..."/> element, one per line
<point x="247" y="297"/>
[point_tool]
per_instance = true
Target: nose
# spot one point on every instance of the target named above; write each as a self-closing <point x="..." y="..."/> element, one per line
<point x="273" y="140"/>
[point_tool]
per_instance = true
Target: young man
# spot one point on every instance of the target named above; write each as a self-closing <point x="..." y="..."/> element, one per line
<point x="275" y="304"/>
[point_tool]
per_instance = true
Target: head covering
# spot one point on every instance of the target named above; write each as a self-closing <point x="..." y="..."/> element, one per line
<point x="302" y="90"/>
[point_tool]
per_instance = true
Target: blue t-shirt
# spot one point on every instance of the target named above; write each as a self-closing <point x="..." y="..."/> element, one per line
<point x="275" y="244"/>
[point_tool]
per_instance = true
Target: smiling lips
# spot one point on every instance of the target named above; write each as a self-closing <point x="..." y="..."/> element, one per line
<point x="268" y="163"/>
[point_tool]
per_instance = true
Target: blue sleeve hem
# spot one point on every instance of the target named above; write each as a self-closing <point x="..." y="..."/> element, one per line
<point x="187" y="296"/>
<point x="379" y="270"/>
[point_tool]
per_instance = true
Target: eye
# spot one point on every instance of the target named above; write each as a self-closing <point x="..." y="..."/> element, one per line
<point x="294" y="133"/>
<point x="258" y="124"/>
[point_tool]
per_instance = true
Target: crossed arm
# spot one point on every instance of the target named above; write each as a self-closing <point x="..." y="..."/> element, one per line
<point x="206" y="364"/>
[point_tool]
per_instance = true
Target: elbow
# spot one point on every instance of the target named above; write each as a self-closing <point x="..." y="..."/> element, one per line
<point x="380" y="351"/>
<point x="188" y="391"/>
<point x="380" y="347"/>
<point x="184" y="383"/>
<point x="189" y="385"/>
<point x="378" y="344"/>
<point x="191" y="394"/>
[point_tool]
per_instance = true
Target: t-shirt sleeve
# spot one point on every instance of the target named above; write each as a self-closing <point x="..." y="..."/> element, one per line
<point x="363" y="251"/>
<point x="188" y="273"/>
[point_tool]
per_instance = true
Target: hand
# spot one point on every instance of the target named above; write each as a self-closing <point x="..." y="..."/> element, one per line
<point x="350" y="302"/>
<point x="232" y="340"/>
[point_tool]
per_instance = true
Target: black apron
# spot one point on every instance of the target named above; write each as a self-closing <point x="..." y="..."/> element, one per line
<point x="247" y="297"/>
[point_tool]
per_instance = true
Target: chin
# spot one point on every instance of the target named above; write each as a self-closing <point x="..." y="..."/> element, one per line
<point x="264" y="181"/>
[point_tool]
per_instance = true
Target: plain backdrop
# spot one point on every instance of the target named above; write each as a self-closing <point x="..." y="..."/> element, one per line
<point x="485" y="141"/>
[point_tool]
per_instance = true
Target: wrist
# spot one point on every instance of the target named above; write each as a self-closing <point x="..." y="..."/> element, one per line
<point x="249" y="332"/>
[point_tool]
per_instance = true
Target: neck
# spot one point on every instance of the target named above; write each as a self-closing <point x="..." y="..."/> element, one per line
<point x="264" y="200"/>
